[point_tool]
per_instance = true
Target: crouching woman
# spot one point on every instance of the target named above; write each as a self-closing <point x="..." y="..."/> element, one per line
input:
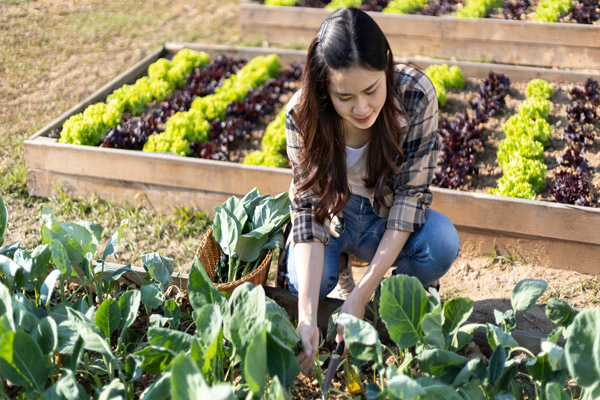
<point x="363" y="141"/>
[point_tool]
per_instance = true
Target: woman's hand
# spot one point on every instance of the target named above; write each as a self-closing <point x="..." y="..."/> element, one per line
<point x="309" y="333"/>
<point x="389" y="247"/>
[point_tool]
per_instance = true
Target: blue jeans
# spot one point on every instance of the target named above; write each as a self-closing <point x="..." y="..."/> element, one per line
<point x="427" y="255"/>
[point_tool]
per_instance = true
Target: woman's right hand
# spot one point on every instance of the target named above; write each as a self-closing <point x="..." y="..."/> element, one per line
<point x="309" y="333"/>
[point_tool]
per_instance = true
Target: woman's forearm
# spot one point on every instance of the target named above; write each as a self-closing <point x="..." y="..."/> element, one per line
<point x="309" y="268"/>
<point x="389" y="247"/>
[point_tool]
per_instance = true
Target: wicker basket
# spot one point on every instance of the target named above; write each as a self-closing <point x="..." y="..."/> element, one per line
<point x="209" y="253"/>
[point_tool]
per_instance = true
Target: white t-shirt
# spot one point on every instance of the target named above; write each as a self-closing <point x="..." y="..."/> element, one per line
<point x="356" y="165"/>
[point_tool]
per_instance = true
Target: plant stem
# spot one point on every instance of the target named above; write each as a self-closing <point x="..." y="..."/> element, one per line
<point x="75" y="292"/>
<point x="392" y="353"/>
<point x="100" y="288"/>
<point x="93" y="376"/>
<point x="524" y="350"/>
<point x="61" y="292"/>
<point x="231" y="273"/>
<point x="251" y="266"/>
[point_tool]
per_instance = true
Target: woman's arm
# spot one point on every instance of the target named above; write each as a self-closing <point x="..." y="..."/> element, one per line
<point x="389" y="247"/>
<point x="309" y="268"/>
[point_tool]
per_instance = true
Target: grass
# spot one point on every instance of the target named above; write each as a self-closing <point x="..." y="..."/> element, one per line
<point x="55" y="53"/>
<point x="503" y="260"/>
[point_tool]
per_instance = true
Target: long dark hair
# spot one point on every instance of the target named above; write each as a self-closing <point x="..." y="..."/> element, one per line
<point x="347" y="38"/>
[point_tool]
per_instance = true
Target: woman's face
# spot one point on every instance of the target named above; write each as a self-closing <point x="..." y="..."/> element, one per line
<point x="358" y="95"/>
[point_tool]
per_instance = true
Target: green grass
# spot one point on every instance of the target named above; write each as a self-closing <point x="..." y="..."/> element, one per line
<point x="54" y="54"/>
<point x="510" y="258"/>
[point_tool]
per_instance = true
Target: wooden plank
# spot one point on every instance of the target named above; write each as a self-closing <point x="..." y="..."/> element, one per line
<point x="519" y="32"/>
<point x="527" y="217"/>
<point x="154" y="168"/>
<point x="519" y="42"/>
<point x="298" y="17"/>
<point x="510" y="223"/>
<point x="426" y="27"/>
<point x="476" y="240"/>
<point x="404" y="45"/>
<point x="286" y="56"/>
<point x="516" y="73"/>
<point x="474" y="70"/>
<point x="509" y="53"/>
<point x="162" y="198"/>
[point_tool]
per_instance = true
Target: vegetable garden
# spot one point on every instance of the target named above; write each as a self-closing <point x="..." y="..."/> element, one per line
<point x="214" y="113"/>
<point x="233" y="123"/>
<point x="71" y="328"/>
<point x="200" y="125"/>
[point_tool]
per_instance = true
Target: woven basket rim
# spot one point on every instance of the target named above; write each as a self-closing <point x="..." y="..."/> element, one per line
<point x="257" y="276"/>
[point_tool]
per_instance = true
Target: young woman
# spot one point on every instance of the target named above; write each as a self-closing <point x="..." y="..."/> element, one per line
<point x="362" y="138"/>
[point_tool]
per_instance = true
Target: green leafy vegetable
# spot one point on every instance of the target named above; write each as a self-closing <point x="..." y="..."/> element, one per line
<point x="193" y="125"/>
<point x="444" y="78"/>
<point x="164" y="76"/>
<point x="244" y="228"/>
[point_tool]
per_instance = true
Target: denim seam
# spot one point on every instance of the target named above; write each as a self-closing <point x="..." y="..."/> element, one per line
<point x="359" y="228"/>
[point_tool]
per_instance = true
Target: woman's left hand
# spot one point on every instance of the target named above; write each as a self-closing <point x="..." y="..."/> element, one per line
<point x="355" y="306"/>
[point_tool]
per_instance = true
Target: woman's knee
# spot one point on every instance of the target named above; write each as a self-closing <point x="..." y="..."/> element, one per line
<point x="430" y="254"/>
<point x="446" y="245"/>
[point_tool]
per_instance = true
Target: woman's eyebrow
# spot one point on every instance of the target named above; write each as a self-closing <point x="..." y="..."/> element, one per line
<point x="371" y="86"/>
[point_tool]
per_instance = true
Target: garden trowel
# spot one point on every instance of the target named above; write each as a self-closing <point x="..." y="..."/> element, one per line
<point x="334" y="361"/>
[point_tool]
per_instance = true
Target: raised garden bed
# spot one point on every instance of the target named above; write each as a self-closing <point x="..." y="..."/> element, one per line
<point x="544" y="233"/>
<point x="559" y="45"/>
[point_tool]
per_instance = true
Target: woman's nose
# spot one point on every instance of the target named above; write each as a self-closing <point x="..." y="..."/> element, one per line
<point x="360" y="107"/>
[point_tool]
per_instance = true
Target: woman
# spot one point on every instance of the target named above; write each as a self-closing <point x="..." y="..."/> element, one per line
<point x="362" y="138"/>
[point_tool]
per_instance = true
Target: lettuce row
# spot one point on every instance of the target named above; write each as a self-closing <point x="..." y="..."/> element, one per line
<point x="539" y="88"/>
<point x="521" y="153"/>
<point x="164" y="76"/>
<point x="272" y="145"/>
<point x="551" y="10"/>
<point x="537" y="129"/>
<point x="477" y="8"/>
<point x="404" y="6"/>
<point x="444" y="78"/>
<point x="193" y="125"/>
<point x="335" y="4"/>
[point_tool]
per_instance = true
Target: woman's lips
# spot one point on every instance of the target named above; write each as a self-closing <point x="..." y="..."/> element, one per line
<point x="365" y="119"/>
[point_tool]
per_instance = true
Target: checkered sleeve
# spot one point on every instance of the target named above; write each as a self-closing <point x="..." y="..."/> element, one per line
<point x="305" y="227"/>
<point x="421" y="148"/>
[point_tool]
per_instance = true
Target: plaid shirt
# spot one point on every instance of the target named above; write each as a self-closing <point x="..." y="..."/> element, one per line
<point x="406" y="195"/>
